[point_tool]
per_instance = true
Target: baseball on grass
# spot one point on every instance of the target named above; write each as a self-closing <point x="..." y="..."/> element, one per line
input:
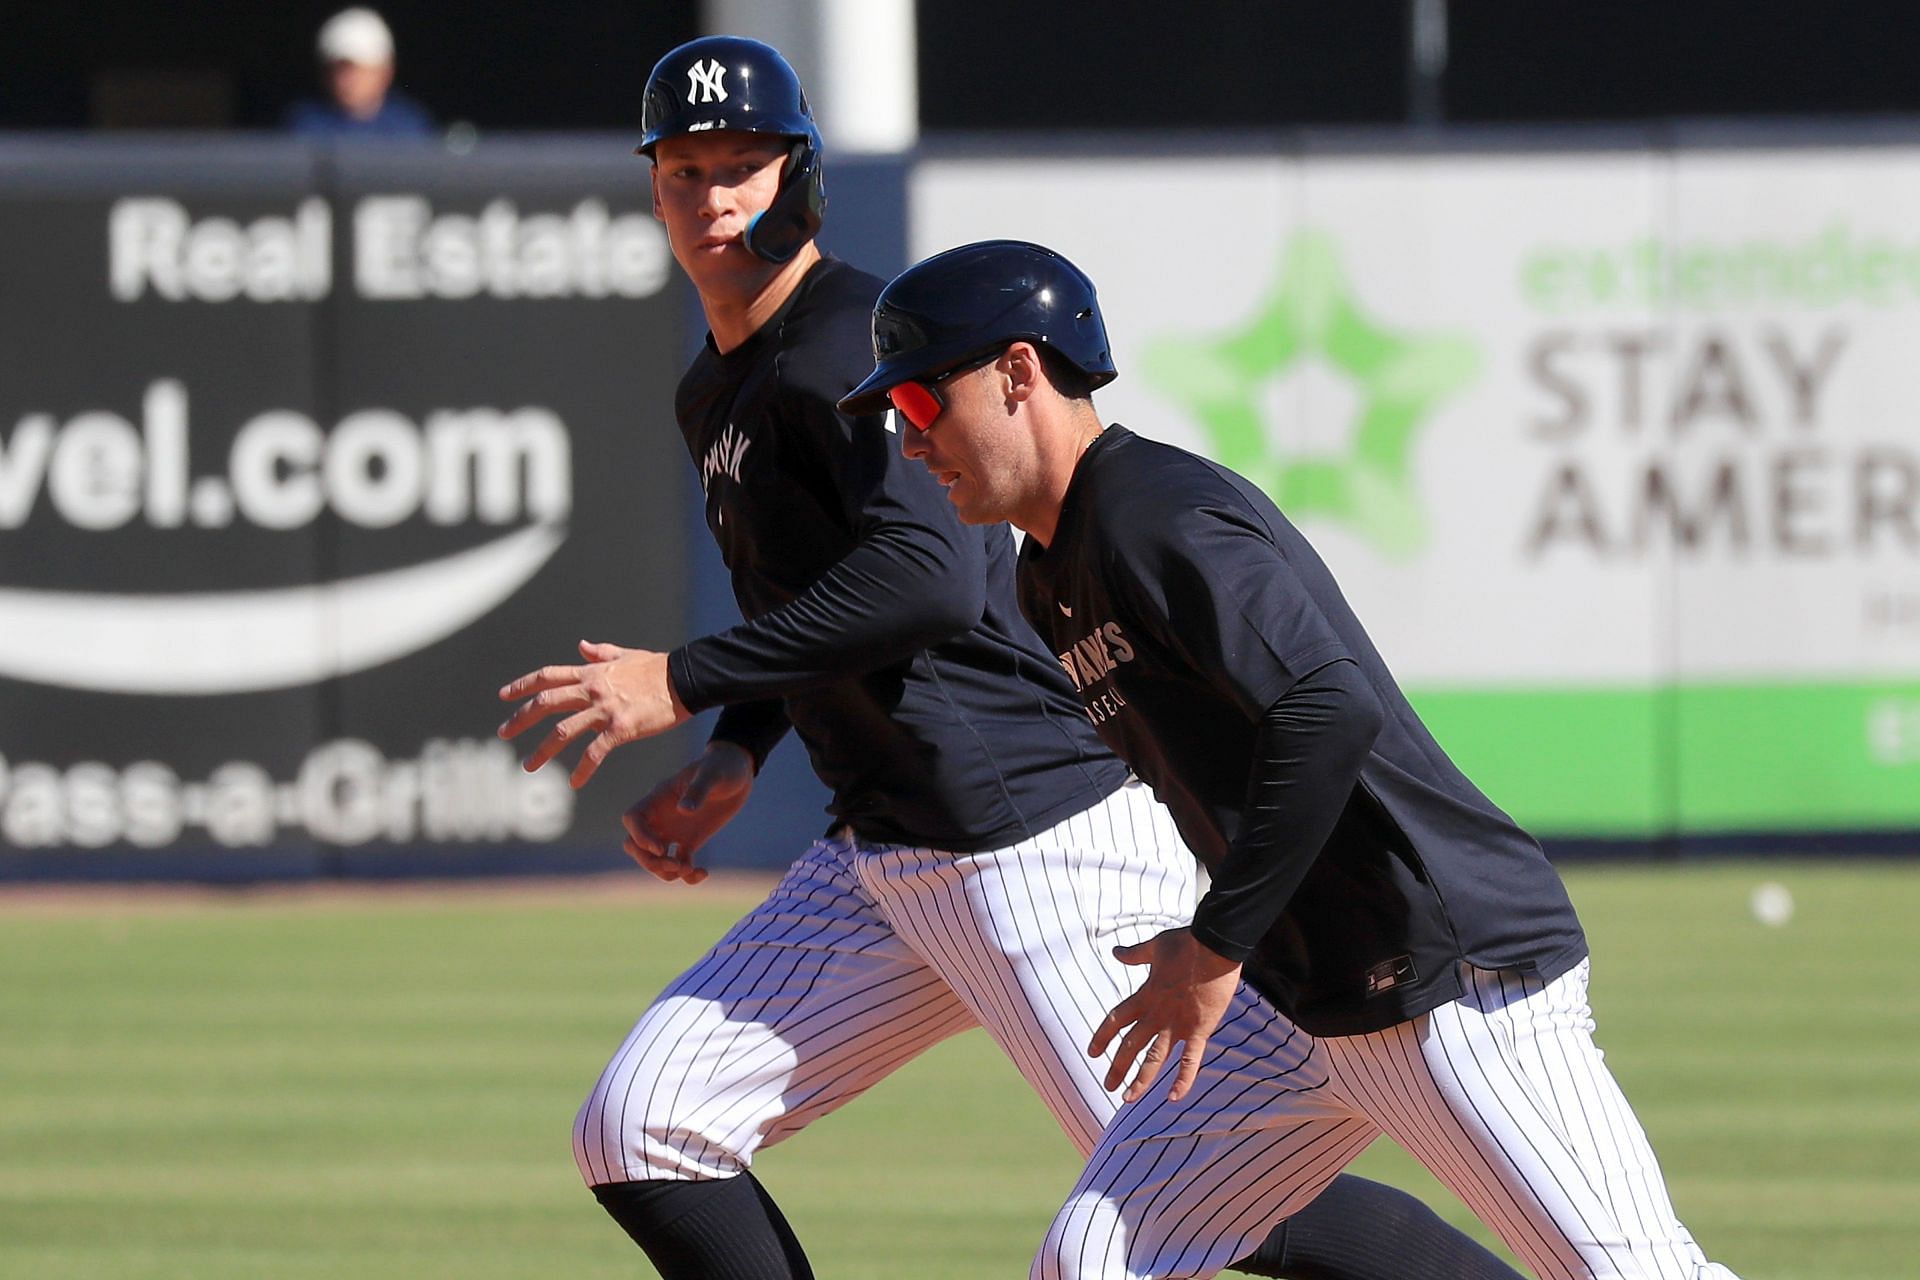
<point x="1771" y="903"/>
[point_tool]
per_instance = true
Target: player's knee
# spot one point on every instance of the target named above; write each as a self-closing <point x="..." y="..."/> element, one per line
<point x="605" y="1150"/>
<point x="620" y="1138"/>
<point x="1086" y="1239"/>
<point x="598" y="1154"/>
<point x="1051" y="1263"/>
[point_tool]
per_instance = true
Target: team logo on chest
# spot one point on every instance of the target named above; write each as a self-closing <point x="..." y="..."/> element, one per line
<point x="1093" y="657"/>
<point x="704" y="82"/>
<point x="724" y="457"/>
<point x="1090" y="660"/>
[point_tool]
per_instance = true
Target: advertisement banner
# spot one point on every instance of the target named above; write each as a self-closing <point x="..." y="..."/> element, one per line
<point x="1615" y="453"/>
<point x="302" y="455"/>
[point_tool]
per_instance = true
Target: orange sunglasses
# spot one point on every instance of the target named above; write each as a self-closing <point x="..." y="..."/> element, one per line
<point x="920" y="402"/>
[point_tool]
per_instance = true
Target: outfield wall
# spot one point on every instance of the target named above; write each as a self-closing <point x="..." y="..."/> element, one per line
<point x="302" y="452"/>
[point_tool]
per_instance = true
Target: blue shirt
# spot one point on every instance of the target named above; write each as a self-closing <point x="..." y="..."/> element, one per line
<point x="399" y="117"/>
<point x="1188" y="609"/>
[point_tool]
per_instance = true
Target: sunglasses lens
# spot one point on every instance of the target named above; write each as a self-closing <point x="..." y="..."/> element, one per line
<point x="916" y="404"/>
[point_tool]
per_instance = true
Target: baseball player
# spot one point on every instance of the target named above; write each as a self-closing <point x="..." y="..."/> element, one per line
<point x="1426" y="959"/>
<point x="986" y="854"/>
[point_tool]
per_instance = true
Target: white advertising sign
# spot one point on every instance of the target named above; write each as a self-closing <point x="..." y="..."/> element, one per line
<point x="1617" y="454"/>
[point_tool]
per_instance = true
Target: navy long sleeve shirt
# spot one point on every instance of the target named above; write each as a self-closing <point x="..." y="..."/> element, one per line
<point x="1354" y="866"/>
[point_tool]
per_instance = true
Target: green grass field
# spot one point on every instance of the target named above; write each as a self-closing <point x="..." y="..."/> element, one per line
<point x="382" y="1087"/>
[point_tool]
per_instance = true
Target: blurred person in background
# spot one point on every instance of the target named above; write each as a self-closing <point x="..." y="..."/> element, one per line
<point x="356" y="62"/>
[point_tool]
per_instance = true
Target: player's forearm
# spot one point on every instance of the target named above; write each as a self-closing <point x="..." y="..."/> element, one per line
<point x="1307" y="758"/>
<point x="755" y="727"/>
<point x="896" y="593"/>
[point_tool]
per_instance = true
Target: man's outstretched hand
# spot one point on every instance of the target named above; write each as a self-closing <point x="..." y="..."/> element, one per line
<point x="617" y="697"/>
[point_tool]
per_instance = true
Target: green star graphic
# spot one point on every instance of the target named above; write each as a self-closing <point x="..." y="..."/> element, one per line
<point x="1401" y="378"/>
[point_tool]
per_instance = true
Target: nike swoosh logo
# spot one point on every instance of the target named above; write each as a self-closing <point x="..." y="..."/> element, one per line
<point x="246" y="641"/>
<point x="1063" y="608"/>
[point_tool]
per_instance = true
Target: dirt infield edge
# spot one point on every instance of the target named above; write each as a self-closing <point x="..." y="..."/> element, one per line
<point x="119" y="898"/>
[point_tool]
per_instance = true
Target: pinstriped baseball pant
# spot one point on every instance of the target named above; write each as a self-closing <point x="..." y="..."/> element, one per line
<point x="1502" y="1094"/>
<point x="866" y="955"/>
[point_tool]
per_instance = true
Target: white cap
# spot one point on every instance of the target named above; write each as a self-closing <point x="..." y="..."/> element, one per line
<point x="356" y="35"/>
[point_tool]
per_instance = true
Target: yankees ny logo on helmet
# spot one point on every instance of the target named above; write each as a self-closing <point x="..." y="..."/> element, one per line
<point x="704" y="82"/>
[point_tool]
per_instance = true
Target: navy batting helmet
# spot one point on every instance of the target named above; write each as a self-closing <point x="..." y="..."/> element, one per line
<point x="730" y="82"/>
<point x="959" y="305"/>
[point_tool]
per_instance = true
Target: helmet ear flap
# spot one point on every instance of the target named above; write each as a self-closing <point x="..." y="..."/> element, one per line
<point x="779" y="231"/>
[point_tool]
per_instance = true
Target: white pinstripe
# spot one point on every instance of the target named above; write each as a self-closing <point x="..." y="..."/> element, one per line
<point x="866" y="955"/>
<point x="1502" y="1094"/>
